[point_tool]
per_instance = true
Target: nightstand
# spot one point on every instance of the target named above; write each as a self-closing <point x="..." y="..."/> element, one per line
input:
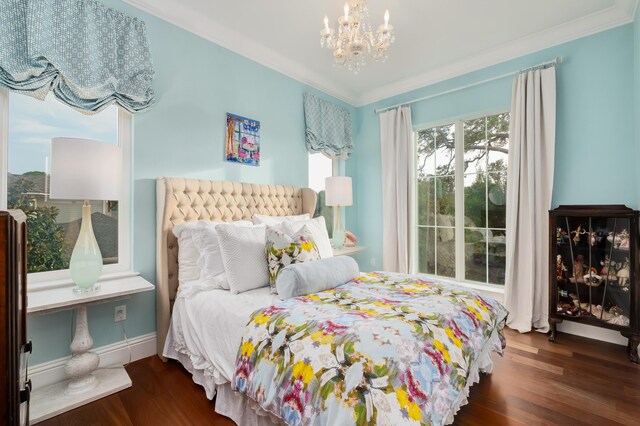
<point x="348" y="251"/>
<point x="90" y="383"/>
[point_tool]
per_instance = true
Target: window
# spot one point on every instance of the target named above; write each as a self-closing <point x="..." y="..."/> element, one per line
<point x="53" y="225"/>
<point x="461" y="199"/>
<point x="321" y="167"/>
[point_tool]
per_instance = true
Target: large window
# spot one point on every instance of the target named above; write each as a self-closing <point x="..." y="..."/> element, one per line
<point x="53" y="225"/>
<point x="461" y="197"/>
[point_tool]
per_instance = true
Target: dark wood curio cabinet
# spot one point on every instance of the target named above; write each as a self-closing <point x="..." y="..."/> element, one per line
<point x="594" y="269"/>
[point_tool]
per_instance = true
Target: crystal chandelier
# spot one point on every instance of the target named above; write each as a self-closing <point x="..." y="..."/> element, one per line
<point x="355" y="36"/>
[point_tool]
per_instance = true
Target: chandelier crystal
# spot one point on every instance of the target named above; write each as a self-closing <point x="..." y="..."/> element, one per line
<point x="355" y="38"/>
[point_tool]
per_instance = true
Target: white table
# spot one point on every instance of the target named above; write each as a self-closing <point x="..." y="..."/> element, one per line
<point x="88" y="383"/>
<point x="347" y="251"/>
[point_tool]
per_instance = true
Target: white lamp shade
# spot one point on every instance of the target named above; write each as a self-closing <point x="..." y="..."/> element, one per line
<point x="338" y="191"/>
<point x="83" y="169"/>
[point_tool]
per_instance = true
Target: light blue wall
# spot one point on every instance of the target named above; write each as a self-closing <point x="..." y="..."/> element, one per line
<point x="595" y="136"/>
<point x="196" y="83"/>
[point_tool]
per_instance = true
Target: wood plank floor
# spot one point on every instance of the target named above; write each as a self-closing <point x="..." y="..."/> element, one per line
<point x="572" y="381"/>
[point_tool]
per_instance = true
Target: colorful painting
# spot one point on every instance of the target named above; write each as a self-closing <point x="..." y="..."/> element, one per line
<point x="243" y="140"/>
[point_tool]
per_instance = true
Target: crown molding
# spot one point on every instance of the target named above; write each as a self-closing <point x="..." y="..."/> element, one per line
<point x="177" y="13"/>
<point x="182" y="16"/>
<point x="622" y="12"/>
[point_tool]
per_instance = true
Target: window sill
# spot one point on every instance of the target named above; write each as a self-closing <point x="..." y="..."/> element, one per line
<point x="58" y="296"/>
<point x="44" y="285"/>
<point x="492" y="290"/>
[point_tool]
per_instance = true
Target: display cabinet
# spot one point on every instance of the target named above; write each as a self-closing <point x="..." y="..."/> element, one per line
<point x="594" y="269"/>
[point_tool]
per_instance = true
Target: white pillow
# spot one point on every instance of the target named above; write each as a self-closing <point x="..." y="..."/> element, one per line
<point x="319" y="232"/>
<point x="205" y="239"/>
<point x="244" y="256"/>
<point x="188" y="269"/>
<point x="274" y="220"/>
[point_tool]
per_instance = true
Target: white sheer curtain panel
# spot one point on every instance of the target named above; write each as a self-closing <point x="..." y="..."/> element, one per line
<point x="529" y="187"/>
<point x="396" y="141"/>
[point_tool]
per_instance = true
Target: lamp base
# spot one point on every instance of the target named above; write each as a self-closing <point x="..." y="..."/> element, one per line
<point x="81" y="290"/>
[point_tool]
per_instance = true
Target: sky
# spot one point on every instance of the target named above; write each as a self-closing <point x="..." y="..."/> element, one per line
<point x="32" y="124"/>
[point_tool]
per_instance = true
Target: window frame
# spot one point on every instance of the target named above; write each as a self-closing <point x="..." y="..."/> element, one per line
<point x="459" y="228"/>
<point x="62" y="278"/>
<point x="337" y="169"/>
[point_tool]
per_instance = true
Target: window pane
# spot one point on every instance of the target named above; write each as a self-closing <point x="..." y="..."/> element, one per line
<point x="446" y="252"/>
<point x="446" y="200"/>
<point x="426" y="154"/>
<point x="320" y="168"/>
<point x="475" y="145"/>
<point x="54" y="224"/>
<point x="497" y="197"/>
<point x="445" y="149"/>
<point x="475" y="253"/>
<point x="496" y="257"/>
<point x="426" y="250"/>
<point x="475" y="200"/>
<point x="426" y="201"/>
<point x="498" y="142"/>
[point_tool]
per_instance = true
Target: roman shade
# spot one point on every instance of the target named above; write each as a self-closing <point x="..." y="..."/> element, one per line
<point x="328" y="128"/>
<point x="88" y="55"/>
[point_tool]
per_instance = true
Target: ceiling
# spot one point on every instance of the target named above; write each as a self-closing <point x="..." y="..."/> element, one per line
<point x="435" y="39"/>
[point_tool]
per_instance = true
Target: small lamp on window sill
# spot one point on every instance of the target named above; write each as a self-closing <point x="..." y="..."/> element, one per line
<point x="338" y="192"/>
<point x="85" y="170"/>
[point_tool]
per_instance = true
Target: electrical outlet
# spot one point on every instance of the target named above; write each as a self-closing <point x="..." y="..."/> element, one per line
<point x="121" y="313"/>
<point x="373" y="261"/>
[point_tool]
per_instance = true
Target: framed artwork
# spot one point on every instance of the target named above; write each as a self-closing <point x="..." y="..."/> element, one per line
<point x="243" y="140"/>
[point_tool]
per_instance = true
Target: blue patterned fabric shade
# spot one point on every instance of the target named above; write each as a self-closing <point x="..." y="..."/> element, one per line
<point x="88" y="55"/>
<point x="328" y="128"/>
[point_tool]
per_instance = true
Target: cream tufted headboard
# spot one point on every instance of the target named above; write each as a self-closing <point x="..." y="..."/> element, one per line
<point x="184" y="200"/>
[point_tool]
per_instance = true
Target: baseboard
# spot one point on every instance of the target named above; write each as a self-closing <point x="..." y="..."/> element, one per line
<point x="51" y="372"/>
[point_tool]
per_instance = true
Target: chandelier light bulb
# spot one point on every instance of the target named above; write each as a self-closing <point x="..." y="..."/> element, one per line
<point x="386" y="19"/>
<point x="346" y="12"/>
<point x="326" y="23"/>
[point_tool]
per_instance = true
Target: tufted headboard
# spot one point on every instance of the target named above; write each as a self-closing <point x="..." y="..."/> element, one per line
<point x="184" y="200"/>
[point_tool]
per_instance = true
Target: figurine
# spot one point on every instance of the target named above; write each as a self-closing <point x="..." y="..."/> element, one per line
<point x="624" y="240"/>
<point x="591" y="278"/>
<point x="623" y="273"/>
<point x="593" y="237"/>
<point x="609" y="269"/>
<point x="560" y="268"/>
<point x="579" y="268"/>
<point x="561" y="236"/>
<point x="579" y="231"/>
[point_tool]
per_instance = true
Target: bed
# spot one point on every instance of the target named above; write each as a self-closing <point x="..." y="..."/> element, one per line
<point x="220" y="338"/>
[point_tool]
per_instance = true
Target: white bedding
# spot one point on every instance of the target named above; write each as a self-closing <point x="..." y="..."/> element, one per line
<point x="206" y="329"/>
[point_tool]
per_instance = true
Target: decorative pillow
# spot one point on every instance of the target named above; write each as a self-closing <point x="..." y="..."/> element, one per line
<point x="311" y="277"/>
<point x="283" y="250"/>
<point x="319" y="233"/>
<point x="274" y="220"/>
<point x="188" y="269"/>
<point x="205" y="239"/>
<point x="243" y="255"/>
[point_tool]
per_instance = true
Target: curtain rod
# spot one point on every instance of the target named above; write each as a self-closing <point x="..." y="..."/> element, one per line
<point x="555" y="61"/>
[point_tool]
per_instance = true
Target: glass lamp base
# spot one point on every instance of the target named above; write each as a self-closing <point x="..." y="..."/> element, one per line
<point x="80" y="290"/>
<point x="338" y="238"/>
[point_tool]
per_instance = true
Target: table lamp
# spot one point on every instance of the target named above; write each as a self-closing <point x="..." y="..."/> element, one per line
<point x="338" y="193"/>
<point x="85" y="170"/>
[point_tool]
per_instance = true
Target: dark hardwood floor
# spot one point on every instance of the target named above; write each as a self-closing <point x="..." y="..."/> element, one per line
<point x="573" y="381"/>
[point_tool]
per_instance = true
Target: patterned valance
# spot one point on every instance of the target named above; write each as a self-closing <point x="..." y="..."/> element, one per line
<point x="328" y="128"/>
<point x="88" y="55"/>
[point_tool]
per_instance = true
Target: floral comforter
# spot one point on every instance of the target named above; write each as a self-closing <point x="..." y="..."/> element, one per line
<point x="382" y="349"/>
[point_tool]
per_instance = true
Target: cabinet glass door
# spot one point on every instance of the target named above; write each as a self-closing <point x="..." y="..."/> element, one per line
<point x="593" y="269"/>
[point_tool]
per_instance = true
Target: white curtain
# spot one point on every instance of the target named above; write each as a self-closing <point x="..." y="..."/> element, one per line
<point x="396" y="141"/>
<point x="529" y="186"/>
